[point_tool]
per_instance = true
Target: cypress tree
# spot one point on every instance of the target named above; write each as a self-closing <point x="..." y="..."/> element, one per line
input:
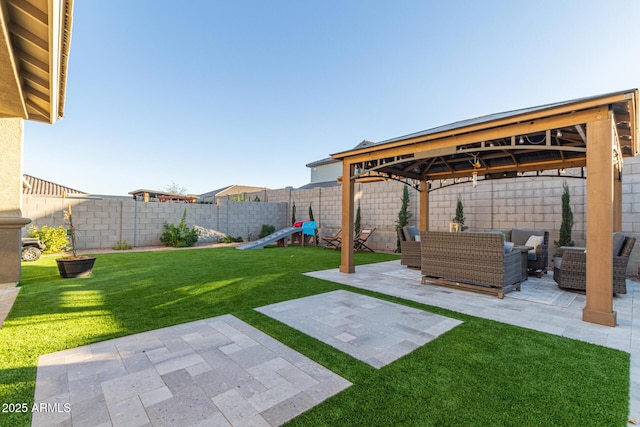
<point x="459" y="218"/>
<point x="567" y="219"/>
<point x="403" y="215"/>
<point x="293" y="213"/>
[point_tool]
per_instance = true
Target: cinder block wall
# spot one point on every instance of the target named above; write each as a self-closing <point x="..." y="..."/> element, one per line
<point x="101" y="223"/>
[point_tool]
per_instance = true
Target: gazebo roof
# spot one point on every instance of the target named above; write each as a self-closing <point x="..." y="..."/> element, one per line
<point x="551" y="136"/>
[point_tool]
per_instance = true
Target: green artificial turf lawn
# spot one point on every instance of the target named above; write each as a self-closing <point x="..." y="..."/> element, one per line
<point x="478" y="374"/>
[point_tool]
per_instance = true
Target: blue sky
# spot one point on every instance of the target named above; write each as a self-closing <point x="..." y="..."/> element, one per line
<point x="208" y="93"/>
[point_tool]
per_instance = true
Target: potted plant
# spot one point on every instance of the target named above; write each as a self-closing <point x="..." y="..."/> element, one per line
<point x="74" y="265"/>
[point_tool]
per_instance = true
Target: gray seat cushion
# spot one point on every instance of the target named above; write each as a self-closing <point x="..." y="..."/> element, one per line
<point x="410" y="232"/>
<point x="618" y="242"/>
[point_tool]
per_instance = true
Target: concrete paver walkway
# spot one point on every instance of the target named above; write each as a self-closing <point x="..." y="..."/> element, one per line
<point x="369" y="329"/>
<point x="214" y="372"/>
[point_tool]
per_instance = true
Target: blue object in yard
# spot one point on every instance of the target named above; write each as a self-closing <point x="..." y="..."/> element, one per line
<point x="309" y="228"/>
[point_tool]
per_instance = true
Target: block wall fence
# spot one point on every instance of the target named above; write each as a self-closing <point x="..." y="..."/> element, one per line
<point x="101" y="223"/>
<point x="527" y="202"/>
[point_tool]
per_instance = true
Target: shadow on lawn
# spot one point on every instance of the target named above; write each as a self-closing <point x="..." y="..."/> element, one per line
<point x="148" y="290"/>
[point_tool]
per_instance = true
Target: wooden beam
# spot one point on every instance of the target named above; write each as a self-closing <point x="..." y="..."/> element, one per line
<point x="29" y="37"/>
<point x="32" y="78"/>
<point x="542" y="165"/>
<point x="599" y="222"/>
<point x="424" y="205"/>
<point x="31" y="10"/>
<point x="35" y="92"/>
<point x="346" y="258"/>
<point x="24" y="56"/>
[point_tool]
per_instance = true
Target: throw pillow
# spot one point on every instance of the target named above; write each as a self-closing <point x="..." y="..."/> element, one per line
<point x="534" y="241"/>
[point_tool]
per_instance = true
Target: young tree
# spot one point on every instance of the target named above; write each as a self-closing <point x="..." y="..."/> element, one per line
<point x="176" y="189"/>
<point x="357" y="224"/>
<point x="404" y="214"/>
<point x="315" y="232"/>
<point x="567" y="219"/>
<point x="459" y="218"/>
<point x="293" y="213"/>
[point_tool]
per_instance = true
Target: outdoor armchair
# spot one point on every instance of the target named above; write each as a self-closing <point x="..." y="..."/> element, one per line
<point x="570" y="270"/>
<point x="409" y="246"/>
<point x="537" y="258"/>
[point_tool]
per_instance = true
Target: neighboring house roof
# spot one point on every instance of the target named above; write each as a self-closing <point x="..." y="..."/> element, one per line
<point x="325" y="161"/>
<point x="232" y="190"/>
<point x="330" y="160"/>
<point x="239" y="189"/>
<point x="326" y="184"/>
<point x="164" y="196"/>
<point x="212" y="193"/>
<point x="41" y="187"/>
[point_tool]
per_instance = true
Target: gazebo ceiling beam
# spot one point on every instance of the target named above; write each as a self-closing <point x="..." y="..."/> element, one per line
<point x="529" y="167"/>
<point x="435" y="142"/>
<point x="525" y="148"/>
<point x="486" y="153"/>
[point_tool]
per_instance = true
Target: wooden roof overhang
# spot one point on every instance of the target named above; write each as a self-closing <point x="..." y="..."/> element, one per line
<point x="35" y="39"/>
<point x="597" y="132"/>
<point x="548" y="137"/>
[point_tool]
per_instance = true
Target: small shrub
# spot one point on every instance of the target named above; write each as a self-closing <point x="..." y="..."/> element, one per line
<point x="230" y="239"/>
<point x="121" y="246"/>
<point x="180" y="236"/>
<point x="54" y="237"/>
<point x="266" y="230"/>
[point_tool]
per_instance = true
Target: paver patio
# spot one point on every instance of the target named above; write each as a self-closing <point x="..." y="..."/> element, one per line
<point x="215" y="372"/>
<point x="369" y="329"/>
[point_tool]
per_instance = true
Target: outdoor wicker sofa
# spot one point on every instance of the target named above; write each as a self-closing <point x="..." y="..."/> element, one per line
<point x="570" y="265"/>
<point x="409" y="247"/>
<point x="471" y="261"/>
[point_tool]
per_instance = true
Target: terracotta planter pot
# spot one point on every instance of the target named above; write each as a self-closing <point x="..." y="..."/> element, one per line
<point x="75" y="267"/>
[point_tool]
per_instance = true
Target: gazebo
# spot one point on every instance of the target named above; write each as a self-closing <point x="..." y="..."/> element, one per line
<point x="594" y="133"/>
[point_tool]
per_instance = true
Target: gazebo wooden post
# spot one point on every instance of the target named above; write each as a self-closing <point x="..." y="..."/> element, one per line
<point x="424" y="205"/>
<point x="600" y="220"/>
<point x="346" y="263"/>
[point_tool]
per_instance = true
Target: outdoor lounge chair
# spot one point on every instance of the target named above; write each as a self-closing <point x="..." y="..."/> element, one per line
<point x="359" y="242"/>
<point x="570" y="270"/>
<point x="333" y="242"/>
